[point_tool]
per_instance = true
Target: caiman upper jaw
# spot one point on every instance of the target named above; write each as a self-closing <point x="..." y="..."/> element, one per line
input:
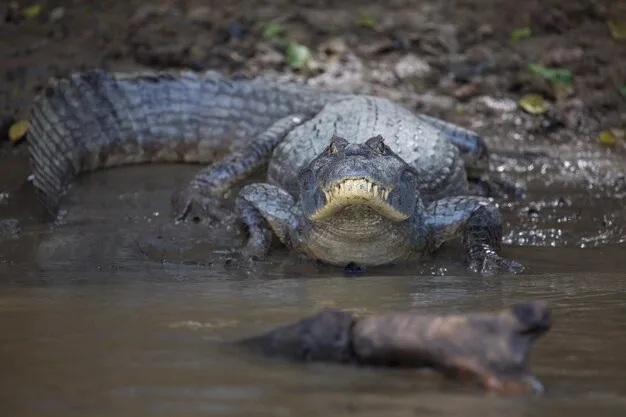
<point x="357" y="186"/>
<point x="358" y="191"/>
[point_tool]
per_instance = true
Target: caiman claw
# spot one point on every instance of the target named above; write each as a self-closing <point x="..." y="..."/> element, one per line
<point x="247" y="254"/>
<point x="486" y="261"/>
<point x="488" y="185"/>
<point x="189" y="203"/>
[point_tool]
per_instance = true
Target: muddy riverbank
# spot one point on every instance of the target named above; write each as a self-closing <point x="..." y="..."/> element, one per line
<point x="115" y="310"/>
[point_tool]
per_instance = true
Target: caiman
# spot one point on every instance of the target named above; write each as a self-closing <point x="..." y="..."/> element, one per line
<point x="349" y="178"/>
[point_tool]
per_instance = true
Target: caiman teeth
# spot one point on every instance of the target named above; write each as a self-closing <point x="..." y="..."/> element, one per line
<point x="359" y="186"/>
<point x="358" y="191"/>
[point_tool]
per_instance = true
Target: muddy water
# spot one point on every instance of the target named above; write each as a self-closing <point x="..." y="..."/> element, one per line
<point x="117" y="312"/>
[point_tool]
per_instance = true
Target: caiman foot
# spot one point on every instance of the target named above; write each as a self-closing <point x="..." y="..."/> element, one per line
<point x="482" y="239"/>
<point x="486" y="262"/>
<point x="247" y="254"/>
<point x="189" y="203"/>
<point x="488" y="186"/>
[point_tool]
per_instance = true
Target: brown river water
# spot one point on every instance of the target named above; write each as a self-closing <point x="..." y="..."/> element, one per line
<point x="118" y="312"/>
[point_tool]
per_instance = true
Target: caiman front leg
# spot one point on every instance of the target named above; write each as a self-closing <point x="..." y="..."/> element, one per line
<point x="476" y="160"/>
<point x="267" y="209"/>
<point x="203" y="196"/>
<point x="479" y="224"/>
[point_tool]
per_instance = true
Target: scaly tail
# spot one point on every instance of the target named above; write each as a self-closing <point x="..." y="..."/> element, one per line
<point x="97" y="119"/>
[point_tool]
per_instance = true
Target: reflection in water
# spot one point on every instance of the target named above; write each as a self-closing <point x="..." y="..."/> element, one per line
<point x="149" y="345"/>
<point x="92" y="323"/>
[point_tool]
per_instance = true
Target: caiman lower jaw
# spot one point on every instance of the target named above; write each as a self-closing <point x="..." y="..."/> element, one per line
<point x="358" y="191"/>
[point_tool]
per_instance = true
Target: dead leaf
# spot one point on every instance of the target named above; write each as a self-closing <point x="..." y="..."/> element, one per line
<point x="610" y="137"/>
<point x="617" y="28"/>
<point x="18" y="130"/>
<point x="534" y="104"/>
<point x="31" y="12"/>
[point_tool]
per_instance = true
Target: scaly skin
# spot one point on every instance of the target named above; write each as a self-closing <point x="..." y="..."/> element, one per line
<point x="402" y="178"/>
<point x="359" y="233"/>
<point x="489" y="349"/>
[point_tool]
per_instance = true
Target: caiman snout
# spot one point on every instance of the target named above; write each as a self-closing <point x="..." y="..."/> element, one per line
<point x="368" y="174"/>
<point x="363" y="191"/>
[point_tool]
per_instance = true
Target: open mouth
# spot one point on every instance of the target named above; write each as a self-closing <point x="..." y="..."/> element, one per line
<point x="358" y="191"/>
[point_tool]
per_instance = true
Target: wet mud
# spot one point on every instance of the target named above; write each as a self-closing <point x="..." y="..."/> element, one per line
<point x="116" y="310"/>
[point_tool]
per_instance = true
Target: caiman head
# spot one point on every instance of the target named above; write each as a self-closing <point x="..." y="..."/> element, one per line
<point x="366" y="174"/>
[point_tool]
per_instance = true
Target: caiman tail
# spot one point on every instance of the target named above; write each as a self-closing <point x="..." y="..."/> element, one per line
<point x="98" y="119"/>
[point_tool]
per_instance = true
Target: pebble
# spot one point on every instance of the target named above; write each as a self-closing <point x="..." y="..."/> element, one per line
<point x="345" y="74"/>
<point x="411" y="66"/>
<point x="562" y="56"/>
<point x="464" y="71"/>
<point x="328" y="20"/>
<point x="466" y="91"/>
<point x="436" y="101"/>
<point x="9" y="228"/>
<point x="267" y="55"/>
<point x="200" y="15"/>
<point x="504" y="105"/>
<point x="145" y="12"/>
<point x="56" y="14"/>
<point x="333" y="46"/>
<point x="236" y="30"/>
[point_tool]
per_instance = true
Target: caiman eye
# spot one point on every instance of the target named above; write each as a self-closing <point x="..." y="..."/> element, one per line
<point x="337" y="143"/>
<point x="377" y="143"/>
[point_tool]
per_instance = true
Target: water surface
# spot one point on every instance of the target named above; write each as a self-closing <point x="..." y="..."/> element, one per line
<point x="117" y="312"/>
